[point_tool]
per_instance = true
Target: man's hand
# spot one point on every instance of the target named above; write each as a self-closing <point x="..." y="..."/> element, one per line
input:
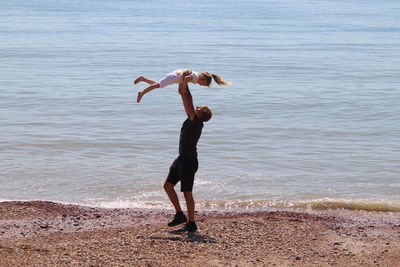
<point x="187" y="78"/>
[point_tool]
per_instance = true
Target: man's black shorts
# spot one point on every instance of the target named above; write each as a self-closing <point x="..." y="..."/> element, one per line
<point x="183" y="169"/>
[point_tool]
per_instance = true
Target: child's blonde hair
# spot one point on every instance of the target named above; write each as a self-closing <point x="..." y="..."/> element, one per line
<point x="218" y="79"/>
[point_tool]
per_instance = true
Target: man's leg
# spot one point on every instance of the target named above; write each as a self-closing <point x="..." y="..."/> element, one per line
<point x="190" y="205"/>
<point x="191" y="225"/>
<point x="179" y="216"/>
<point x="187" y="181"/>
<point x="170" y="190"/>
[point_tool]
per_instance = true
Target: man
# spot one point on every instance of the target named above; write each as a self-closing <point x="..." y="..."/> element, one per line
<point x="183" y="169"/>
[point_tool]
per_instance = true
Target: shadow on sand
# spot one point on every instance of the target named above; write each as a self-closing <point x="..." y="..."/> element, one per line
<point x="184" y="237"/>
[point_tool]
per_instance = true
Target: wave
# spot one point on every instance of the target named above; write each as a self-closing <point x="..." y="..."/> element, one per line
<point x="252" y="205"/>
<point x="317" y="204"/>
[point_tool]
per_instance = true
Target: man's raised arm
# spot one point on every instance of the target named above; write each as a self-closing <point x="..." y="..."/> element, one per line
<point x="187" y="100"/>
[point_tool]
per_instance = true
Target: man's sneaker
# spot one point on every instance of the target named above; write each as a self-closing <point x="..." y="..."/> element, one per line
<point x="190" y="227"/>
<point x="178" y="219"/>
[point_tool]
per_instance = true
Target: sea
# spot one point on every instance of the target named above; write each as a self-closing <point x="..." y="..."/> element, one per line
<point x="311" y="120"/>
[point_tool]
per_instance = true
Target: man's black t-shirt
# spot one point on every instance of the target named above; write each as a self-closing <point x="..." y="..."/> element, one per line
<point x="190" y="134"/>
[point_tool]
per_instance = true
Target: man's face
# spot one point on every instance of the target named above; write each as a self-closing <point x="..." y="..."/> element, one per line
<point x="202" y="111"/>
<point x="199" y="112"/>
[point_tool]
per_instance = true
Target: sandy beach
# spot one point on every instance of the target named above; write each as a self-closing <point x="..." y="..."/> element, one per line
<point x="50" y="234"/>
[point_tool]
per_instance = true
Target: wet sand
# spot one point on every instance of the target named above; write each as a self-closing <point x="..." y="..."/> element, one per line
<point x="41" y="233"/>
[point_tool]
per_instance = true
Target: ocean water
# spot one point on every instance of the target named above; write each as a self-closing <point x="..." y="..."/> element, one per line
<point x="312" y="119"/>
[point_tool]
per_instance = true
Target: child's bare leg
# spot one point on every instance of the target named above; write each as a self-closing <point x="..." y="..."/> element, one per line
<point x="145" y="91"/>
<point x="143" y="79"/>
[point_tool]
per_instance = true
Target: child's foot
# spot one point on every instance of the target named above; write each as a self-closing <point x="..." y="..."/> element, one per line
<point x="138" y="80"/>
<point x="139" y="96"/>
<point x="178" y="219"/>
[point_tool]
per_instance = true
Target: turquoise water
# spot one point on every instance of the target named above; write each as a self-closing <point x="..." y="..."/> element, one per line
<point x="312" y="117"/>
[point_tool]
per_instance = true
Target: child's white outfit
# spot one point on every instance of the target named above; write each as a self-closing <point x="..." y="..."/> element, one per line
<point x="175" y="77"/>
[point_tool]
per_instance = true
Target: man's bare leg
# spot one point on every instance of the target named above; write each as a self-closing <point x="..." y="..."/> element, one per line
<point x="170" y="190"/>
<point x="190" y="205"/>
<point x="179" y="216"/>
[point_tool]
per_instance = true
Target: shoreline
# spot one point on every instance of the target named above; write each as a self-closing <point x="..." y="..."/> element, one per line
<point x="49" y="233"/>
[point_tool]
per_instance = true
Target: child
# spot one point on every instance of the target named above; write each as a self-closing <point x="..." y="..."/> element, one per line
<point x="178" y="76"/>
